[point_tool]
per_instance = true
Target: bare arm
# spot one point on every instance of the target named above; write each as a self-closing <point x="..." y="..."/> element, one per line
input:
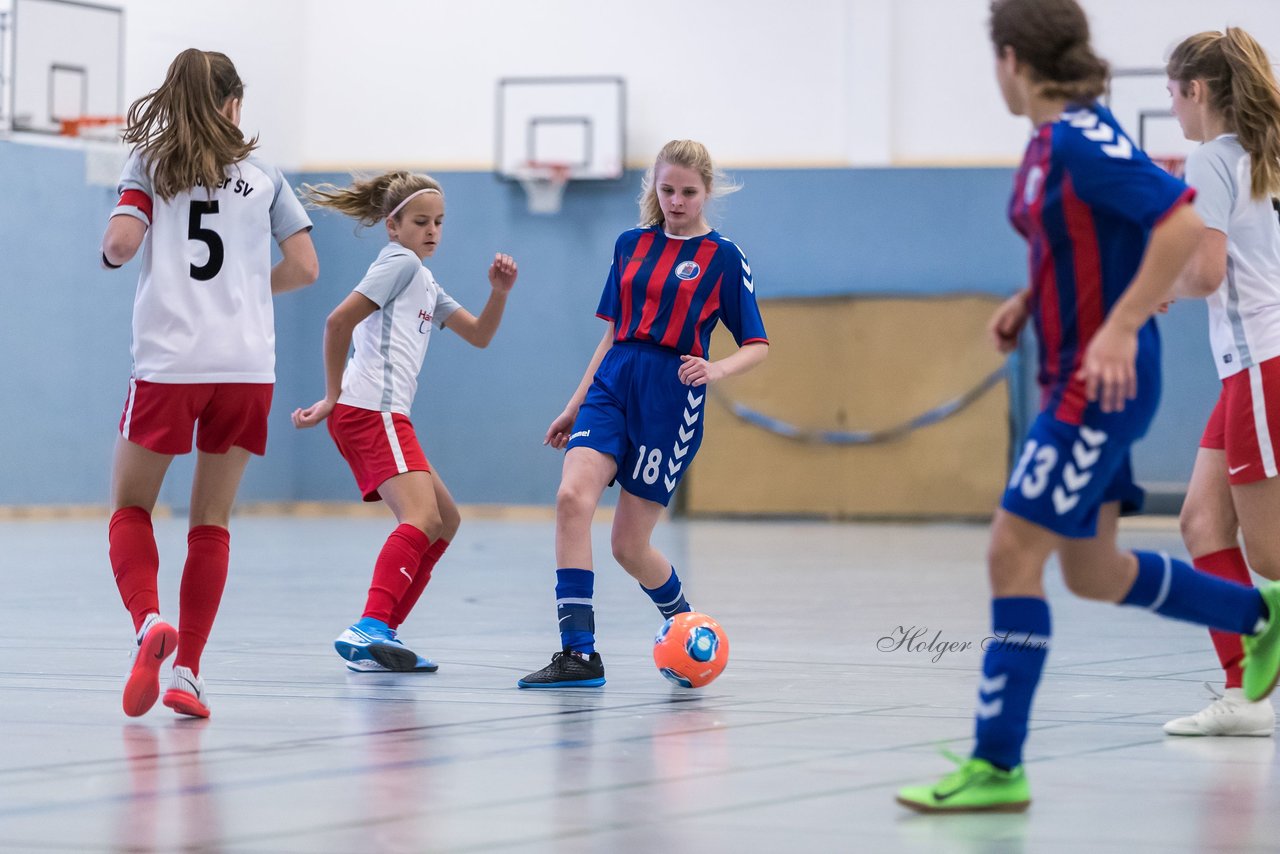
<point x="122" y="238"/>
<point x="337" y="342"/>
<point x="299" y="267"/>
<point x="1207" y="268"/>
<point x="695" y="371"/>
<point x="1108" y="368"/>
<point x="558" y="433"/>
<point x="479" y="331"/>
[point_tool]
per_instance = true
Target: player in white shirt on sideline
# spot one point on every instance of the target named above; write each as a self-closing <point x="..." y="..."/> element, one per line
<point x="203" y="346"/>
<point x="1225" y="95"/>
<point x="388" y="318"/>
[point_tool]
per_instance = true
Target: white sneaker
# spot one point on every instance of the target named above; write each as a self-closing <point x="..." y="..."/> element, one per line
<point x="1229" y="714"/>
<point x="157" y="640"/>
<point x="186" y="694"/>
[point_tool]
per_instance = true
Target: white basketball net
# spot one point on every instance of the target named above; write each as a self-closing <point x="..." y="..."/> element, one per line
<point x="544" y="187"/>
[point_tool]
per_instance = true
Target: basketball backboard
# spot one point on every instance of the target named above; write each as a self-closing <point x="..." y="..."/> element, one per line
<point x="578" y="122"/>
<point x="68" y="63"/>
<point x="1140" y="102"/>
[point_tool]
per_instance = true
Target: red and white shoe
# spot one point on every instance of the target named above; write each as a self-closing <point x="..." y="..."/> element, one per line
<point x="186" y="694"/>
<point x="157" y="640"/>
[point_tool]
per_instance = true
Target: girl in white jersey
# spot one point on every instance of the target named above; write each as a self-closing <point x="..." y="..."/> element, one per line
<point x="1225" y="95"/>
<point x="388" y="318"/>
<point x="203" y="346"/>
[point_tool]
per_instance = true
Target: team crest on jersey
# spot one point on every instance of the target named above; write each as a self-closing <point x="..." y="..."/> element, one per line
<point x="1035" y="177"/>
<point x="688" y="270"/>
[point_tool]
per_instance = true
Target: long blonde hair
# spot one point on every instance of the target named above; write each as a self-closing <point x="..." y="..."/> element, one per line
<point x="180" y="129"/>
<point x="688" y="154"/>
<point x="370" y="200"/>
<point x="1242" y="89"/>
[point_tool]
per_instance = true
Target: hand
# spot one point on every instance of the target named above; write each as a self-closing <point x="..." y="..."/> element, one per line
<point x="314" y="414"/>
<point x="1108" y="367"/>
<point x="502" y="273"/>
<point x="1006" y="324"/>
<point x="695" y="371"/>
<point x="558" y="433"/>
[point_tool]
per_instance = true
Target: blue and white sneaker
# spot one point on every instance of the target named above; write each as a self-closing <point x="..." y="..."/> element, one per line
<point x="370" y="639"/>
<point x="368" y="665"/>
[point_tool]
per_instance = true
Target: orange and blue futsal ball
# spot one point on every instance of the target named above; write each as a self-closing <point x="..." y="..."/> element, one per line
<point x="691" y="649"/>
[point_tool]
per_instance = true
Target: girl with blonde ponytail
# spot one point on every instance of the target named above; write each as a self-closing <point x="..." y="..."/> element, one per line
<point x="203" y="346"/>
<point x="389" y="317"/>
<point x="635" y="417"/>
<point x="1224" y="95"/>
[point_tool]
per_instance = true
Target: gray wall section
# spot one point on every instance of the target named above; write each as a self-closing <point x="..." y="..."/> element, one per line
<point x="481" y="413"/>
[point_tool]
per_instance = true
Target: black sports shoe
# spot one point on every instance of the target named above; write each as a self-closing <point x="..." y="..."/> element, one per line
<point x="568" y="669"/>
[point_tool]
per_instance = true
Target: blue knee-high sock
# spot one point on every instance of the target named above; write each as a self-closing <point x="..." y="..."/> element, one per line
<point x="669" y="597"/>
<point x="573" y="607"/>
<point x="1010" y="671"/>
<point x="1174" y="589"/>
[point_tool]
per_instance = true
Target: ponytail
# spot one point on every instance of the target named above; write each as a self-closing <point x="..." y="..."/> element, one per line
<point x="370" y="200"/>
<point x="1242" y="89"/>
<point x="179" y="128"/>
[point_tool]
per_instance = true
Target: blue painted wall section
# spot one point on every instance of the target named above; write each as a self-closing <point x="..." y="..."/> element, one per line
<point x="481" y="414"/>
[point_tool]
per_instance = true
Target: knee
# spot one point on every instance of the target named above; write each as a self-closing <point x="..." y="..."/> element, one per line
<point x="573" y="502"/>
<point x="450" y="521"/>
<point x="1204" y="531"/>
<point x="627" y="552"/>
<point x="428" y="523"/>
<point x="1009" y="568"/>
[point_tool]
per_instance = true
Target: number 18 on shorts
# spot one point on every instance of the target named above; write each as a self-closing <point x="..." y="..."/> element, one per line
<point x="638" y="412"/>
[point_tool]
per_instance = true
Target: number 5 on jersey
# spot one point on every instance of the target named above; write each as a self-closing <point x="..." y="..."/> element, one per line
<point x="197" y="231"/>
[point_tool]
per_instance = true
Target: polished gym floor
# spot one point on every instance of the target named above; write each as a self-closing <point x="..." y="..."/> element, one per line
<point x="799" y="747"/>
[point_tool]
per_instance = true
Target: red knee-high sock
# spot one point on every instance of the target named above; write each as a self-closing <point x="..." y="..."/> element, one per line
<point x="203" y="580"/>
<point x="1228" y="564"/>
<point x="411" y="596"/>
<point x="135" y="561"/>
<point x="393" y="573"/>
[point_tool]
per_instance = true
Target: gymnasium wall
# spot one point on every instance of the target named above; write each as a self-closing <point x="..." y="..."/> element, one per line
<point x="883" y="232"/>
<point x="885" y="83"/>
<point x="333" y="84"/>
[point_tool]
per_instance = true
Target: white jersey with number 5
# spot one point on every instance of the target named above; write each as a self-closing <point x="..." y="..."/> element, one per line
<point x="203" y="311"/>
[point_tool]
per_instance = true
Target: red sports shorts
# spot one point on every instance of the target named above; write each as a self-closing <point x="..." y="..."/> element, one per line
<point x="162" y="416"/>
<point x="377" y="445"/>
<point x="1246" y="423"/>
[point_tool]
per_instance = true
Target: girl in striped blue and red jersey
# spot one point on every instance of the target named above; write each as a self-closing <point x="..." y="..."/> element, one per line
<point x="203" y="346"/>
<point x="1108" y="232"/>
<point x="637" y="415"/>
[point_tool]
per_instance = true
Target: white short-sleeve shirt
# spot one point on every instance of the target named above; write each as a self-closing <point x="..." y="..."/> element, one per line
<point x="203" y="311"/>
<point x="388" y="346"/>
<point x="1244" y="312"/>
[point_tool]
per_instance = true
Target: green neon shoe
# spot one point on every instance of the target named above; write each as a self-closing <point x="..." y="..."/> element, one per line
<point x="1262" y="651"/>
<point x="976" y="786"/>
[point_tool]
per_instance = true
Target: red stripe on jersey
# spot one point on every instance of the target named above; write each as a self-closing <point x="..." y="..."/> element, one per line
<point x="1044" y="283"/>
<point x="136" y="199"/>
<point x="653" y="290"/>
<point x="711" y="307"/>
<point x="685" y="292"/>
<point x="1087" y="263"/>
<point x="1188" y="195"/>
<point x="624" y="295"/>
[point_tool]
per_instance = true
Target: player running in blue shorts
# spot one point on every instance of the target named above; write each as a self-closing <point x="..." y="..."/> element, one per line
<point x="1108" y="233"/>
<point x="637" y="415"/>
